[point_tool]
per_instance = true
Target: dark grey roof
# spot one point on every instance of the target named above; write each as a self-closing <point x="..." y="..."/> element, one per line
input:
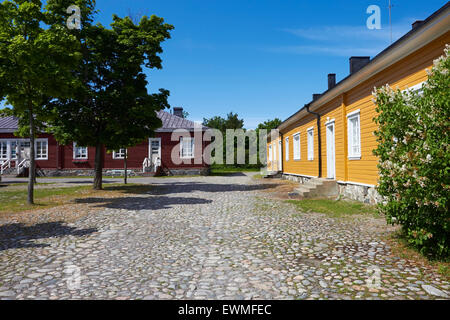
<point x="170" y="123"/>
<point x="8" y="124"/>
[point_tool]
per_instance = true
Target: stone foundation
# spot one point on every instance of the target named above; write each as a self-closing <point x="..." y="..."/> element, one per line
<point x="356" y="192"/>
<point x="299" y="179"/>
<point x="190" y="172"/>
<point x="360" y="193"/>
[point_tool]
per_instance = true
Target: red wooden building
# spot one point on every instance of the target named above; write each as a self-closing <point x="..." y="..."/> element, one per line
<point x="177" y="148"/>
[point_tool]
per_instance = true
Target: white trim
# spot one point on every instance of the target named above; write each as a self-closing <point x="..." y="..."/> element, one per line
<point x="8" y="142"/>
<point x="286" y="148"/>
<point x="74" y="153"/>
<point x="356" y="183"/>
<point x="192" y="147"/>
<point x="150" y="147"/>
<point x="351" y="114"/>
<point x="299" y="147"/>
<point x="270" y="152"/>
<point x="310" y="128"/>
<point x="416" y="87"/>
<point x="300" y="175"/>
<point x="35" y="148"/>
<point x="329" y="122"/>
<point x="333" y="143"/>
<point x="115" y="157"/>
<point x="310" y="156"/>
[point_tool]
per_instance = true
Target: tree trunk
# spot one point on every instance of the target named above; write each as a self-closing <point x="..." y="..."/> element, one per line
<point x="125" y="166"/>
<point x="31" y="170"/>
<point x="98" y="167"/>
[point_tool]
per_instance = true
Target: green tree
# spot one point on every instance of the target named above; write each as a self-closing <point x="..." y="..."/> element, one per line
<point x="269" y="124"/>
<point x="36" y="57"/>
<point x="414" y="152"/>
<point x="111" y="106"/>
<point x="232" y="121"/>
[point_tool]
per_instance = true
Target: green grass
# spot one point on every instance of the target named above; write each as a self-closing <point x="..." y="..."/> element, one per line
<point x="16" y="200"/>
<point x="333" y="208"/>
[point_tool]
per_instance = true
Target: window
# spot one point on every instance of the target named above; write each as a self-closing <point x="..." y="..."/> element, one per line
<point x="41" y="150"/>
<point x="296" y="146"/>
<point x="3" y="150"/>
<point x="119" y="154"/>
<point x="354" y="135"/>
<point x="270" y="152"/>
<point x="187" y="147"/>
<point x="310" y="141"/>
<point x="79" y="152"/>
<point x="287" y="148"/>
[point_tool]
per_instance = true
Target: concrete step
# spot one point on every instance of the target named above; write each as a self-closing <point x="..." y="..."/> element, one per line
<point x="316" y="188"/>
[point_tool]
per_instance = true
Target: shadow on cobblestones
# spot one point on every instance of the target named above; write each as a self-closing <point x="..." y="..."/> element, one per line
<point x="143" y="203"/>
<point x="187" y="187"/>
<point x="18" y="235"/>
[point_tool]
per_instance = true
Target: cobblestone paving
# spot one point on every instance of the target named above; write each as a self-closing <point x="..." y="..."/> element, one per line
<point x="207" y="238"/>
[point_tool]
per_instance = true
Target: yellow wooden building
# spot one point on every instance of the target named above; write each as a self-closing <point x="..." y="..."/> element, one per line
<point x="333" y="135"/>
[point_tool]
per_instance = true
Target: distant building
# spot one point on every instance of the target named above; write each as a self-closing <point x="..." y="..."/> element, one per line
<point x="151" y="156"/>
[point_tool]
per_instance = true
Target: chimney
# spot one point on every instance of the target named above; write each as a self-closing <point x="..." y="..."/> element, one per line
<point x="416" y="24"/>
<point x="178" y="111"/>
<point x="331" y="80"/>
<point x="357" y="63"/>
<point x="316" y="96"/>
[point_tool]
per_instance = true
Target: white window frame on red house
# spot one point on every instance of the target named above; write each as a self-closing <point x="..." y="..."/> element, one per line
<point x="183" y="143"/>
<point x="11" y="144"/>
<point x="310" y="141"/>
<point x="119" y="154"/>
<point x="354" y="135"/>
<point x="84" y="155"/>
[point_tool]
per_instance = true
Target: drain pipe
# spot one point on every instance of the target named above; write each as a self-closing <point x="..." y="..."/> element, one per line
<point x="318" y="138"/>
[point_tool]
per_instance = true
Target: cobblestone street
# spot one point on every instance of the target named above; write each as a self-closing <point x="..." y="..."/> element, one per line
<point x="208" y="238"/>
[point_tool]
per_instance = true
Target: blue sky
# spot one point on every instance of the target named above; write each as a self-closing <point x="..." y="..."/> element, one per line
<point x="262" y="59"/>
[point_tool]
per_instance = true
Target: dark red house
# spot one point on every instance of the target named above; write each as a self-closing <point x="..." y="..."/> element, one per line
<point x="176" y="149"/>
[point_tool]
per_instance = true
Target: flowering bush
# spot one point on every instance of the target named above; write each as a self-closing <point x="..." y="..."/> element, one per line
<point x="413" y="148"/>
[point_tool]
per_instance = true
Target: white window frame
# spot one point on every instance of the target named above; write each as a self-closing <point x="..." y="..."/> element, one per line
<point x="42" y="156"/>
<point x="296" y="147"/>
<point x="270" y="152"/>
<point x="9" y="149"/>
<point x="75" y="157"/>
<point x="4" y="143"/>
<point x="352" y="155"/>
<point x="286" y="148"/>
<point x="310" y="142"/>
<point x="416" y="88"/>
<point x="119" y="154"/>
<point x="192" y="147"/>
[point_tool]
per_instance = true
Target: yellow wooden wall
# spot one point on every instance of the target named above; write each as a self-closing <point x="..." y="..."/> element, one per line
<point x="405" y="73"/>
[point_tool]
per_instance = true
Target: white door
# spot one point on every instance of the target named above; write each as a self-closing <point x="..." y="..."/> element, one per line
<point x="280" y="160"/>
<point x="154" y="152"/>
<point x="331" y="152"/>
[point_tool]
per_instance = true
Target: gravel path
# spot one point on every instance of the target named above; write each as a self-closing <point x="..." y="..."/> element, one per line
<point x="207" y="238"/>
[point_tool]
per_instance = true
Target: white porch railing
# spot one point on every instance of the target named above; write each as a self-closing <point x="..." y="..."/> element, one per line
<point x="5" y="164"/>
<point x="25" y="163"/>
<point x="148" y="164"/>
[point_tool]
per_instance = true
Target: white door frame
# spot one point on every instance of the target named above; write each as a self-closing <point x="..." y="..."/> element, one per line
<point x="280" y="158"/>
<point x="331" y="150"/>
<point x="150" y="148"/>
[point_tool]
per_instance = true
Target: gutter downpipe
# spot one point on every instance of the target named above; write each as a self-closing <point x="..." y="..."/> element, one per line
<point x="318" y="138"/>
